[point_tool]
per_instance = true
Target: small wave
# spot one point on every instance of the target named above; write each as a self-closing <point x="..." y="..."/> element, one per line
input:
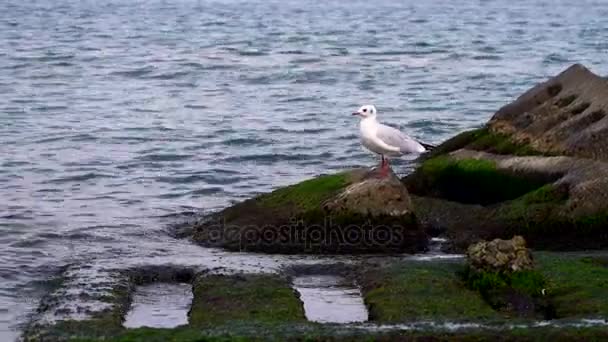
<point x="190" y="179"/>
<point x="134" y="73"/>
<point x="555" y="58"/>
<point x="292" y="52"/>
<point x="206" y="191"/>
<point x="27" y="215"/>
<point x="169" y="75"/>
<point x="80" y="178"/>
<point x="252" y="53"/>
<point x="45" y="58"/>
<point x="269" y="158"/>
<point x="310" y="60"/>
<point x="214" y="23"/>
<point x="246" y="141"/>
<point x="49" y="108"/>
<point x="164" y="157"/>
<point x="145" y="110"/>
<point x="15" y="163"/>
<point x="62" y="64"/>
<point x="83" y="137"/>
<point x="386" y="53"/>
<point x="15" y="66"/>
<point x="487" y="57"/>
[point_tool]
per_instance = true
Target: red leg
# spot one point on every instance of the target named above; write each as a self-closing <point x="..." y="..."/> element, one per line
<point x="384" y="168"/>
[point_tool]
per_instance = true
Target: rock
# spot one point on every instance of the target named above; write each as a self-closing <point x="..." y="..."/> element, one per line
<point x="503" y="272"/>
<point x="349" y="212"/>
<point x="373" y="196"/>
<point x="565" y="115"/>
<point x="500" y="256"/>
<point x="537" y="169"/>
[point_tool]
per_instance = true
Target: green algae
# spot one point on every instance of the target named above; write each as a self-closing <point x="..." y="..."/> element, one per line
<point x="420" y="291"/>
<point x="578" y="288"/>
<point x="483" y="139"/>
<point x="499" y="143"/>
<point x="470" y="181"/>
<point x="528" y="282"/>
<point x="257" y="298"/>
<point x="336" y="333"/>
<point x="528" y="208"/>
<point x="306" y="195"/>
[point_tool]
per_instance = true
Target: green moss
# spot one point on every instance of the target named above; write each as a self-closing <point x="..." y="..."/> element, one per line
<point x="527" y="282"/>
<point x="259" y="298"/>
<point x="485" y="140"/>
<point x="531" y="283"/>
<point x="521" y="293"/>
<point x="421" y="291"/>
<point x="471" y="181"/>
<point x="591" y="223"/>
<point x="579" y="288"/>
<point x="535" y="205"/>
<point x="308" y="194"/>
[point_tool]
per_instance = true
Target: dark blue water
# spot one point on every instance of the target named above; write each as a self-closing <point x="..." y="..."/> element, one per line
<point x="114" y="114"/>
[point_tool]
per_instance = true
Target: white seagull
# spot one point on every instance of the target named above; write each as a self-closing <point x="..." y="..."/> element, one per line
<point x="385" y="140"/>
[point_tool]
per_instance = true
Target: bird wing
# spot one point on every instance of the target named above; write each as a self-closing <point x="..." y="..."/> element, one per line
<point x="394" y="137"/>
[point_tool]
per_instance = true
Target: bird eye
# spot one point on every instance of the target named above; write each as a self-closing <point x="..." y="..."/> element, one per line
<point x="365" y="110"/>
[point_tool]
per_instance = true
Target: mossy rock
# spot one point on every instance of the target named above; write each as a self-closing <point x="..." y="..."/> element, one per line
<point x="349" y="212"/>
<point x="476" y="181"/>
<point x="485" y="139"/>
<point x="538" y="168"/>
<point x="558" y="203"/>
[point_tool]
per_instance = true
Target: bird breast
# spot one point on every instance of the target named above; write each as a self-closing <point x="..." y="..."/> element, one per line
<point x="368" y="135"/>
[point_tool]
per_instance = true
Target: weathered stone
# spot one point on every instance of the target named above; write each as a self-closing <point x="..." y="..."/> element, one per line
<point x="373" y="196"/>
<point x="500" y="256"/>
<point x="565" y="115"/>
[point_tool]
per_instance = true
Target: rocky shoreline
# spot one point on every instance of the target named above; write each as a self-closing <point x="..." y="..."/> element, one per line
<point x="538" y="170"/>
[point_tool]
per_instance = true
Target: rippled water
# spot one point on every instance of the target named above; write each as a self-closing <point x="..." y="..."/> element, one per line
<point x="116" y="113"/>
<point x="160" y="305"/>
<point x="330" y="299"/>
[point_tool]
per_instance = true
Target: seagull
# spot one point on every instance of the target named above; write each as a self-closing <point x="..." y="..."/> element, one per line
<point x="385" y="140"/>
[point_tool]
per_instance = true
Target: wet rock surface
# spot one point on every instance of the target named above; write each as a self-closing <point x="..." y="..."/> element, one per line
<point x="533" y="170"/>
<point x="357" y="211"/>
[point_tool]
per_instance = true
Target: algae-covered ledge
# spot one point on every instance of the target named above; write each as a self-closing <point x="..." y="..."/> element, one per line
<point x="349" y="212"/>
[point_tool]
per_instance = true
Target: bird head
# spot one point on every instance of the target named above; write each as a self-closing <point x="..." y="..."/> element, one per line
<point x="367" y="111"/>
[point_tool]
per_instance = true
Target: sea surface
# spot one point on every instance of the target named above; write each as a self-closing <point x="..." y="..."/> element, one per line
<point x="116" y="117"/>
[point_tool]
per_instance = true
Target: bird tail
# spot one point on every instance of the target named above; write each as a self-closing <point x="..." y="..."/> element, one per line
<point x="428" y="147"/>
